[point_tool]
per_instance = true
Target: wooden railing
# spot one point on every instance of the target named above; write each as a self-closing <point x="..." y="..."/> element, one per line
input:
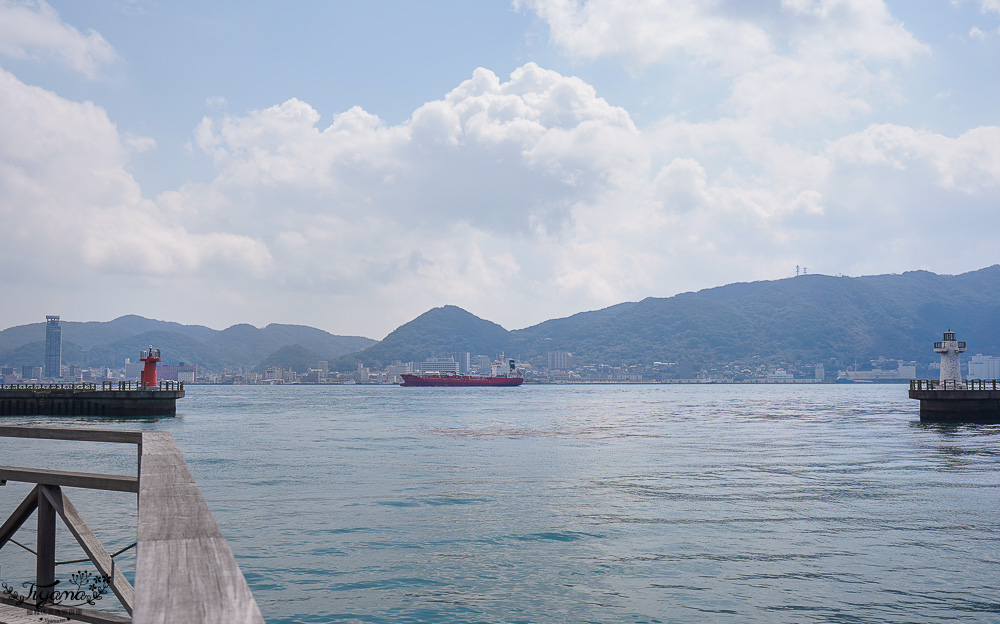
<point x="185" y="571"/>
<point x="951" y="384"/>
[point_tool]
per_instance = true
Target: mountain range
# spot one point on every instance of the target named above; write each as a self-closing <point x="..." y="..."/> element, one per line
<point x="93" y="343"/>
<point x="808" y="318"/>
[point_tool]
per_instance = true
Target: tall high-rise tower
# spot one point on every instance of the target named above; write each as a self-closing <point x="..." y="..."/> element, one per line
<point x="53" y="347"/>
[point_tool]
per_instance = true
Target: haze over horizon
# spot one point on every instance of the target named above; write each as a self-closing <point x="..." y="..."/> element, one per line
<point x="349" y="167"/>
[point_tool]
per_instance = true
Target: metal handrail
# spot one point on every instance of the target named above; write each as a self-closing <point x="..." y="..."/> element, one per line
<point x="79" y="385"/>
<point x="89" y="386"/>
<point x="955" y="384"/>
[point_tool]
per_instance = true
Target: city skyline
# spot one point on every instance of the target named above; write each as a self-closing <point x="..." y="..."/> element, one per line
<point x="348" y="167"/>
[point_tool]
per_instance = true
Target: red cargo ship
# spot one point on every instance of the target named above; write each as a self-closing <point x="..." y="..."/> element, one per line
<point x="501" y="376"/>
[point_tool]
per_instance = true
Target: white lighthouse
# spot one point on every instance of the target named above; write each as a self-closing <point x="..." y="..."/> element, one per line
<point x="951" y="367"/>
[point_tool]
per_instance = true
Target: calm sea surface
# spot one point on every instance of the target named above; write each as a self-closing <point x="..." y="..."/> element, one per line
<point x="573" y="503"/>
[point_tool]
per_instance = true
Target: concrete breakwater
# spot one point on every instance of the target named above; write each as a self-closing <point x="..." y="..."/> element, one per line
<point x="113" y="399"/>
<point x="969" y="401"/>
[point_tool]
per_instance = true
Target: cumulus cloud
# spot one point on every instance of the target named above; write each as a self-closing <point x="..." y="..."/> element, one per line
<point x="535" y="189"/>
<point x="69" y="203"/>
<point x="520" y="197"/>
<point x="32" y="28"/>
<point x="800" y="61"/>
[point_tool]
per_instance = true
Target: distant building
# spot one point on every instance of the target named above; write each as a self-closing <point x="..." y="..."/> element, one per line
<point x="560" y="360"/>
<point x="819" y="372"/>
<point x="902" y="371"/>
<point x="394" y="371"/>
<point x="481" y="364"/>
<point x="439" y="365"/>
<point x="780" y="375"/>
<point x="314" y="376"/>
<point x="361" y="375"/>
<point x="53" y="347"/>
<point x="464" y="360"/>
<point x="984" y="367"/>
<point x="181" y="372"/>
<point x="31" y="373"/>
<point x="132" y="369"/>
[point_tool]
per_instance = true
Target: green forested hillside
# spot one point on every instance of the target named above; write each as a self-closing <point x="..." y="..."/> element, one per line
<point x="92" y="344"/>
<point x="810" y="318"/>
<point x="807" y="318"/>
<point x="442" y="330"/>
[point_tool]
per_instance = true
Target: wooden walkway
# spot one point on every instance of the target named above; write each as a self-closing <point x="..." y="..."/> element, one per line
<point x="185" y="571"/>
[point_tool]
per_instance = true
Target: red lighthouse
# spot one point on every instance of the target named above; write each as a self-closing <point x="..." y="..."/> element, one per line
<point x="147" y="378"/>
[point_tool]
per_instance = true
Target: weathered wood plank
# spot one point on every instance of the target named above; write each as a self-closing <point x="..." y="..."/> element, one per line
<point x="170" y="504"/>
<point x="19" y="516"/>
<point x="185" y="571"/>
<point x="204" y="585"/>
<point x="116" y="483"/>
<point x="79" y="435"/>
<point x="91" y="545"/>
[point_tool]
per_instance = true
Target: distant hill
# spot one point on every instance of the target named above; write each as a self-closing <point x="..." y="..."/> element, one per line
<point x="809" y="318"/>
<point x="292" y="357"/>
<point x="109" y="343"/>
<point x="442" y="330"/>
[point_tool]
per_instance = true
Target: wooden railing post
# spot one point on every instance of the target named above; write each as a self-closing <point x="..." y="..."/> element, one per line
<point x="45" y="560"/>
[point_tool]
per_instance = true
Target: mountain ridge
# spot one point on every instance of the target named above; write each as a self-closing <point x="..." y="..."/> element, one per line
<point x="808" y="318"/>
<point x="108" y="343"/>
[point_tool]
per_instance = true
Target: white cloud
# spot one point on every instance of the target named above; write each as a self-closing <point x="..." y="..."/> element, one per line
<point x="990" y="6"/>
<point x="30" y="28"/>
<point x="976" y="33"/>
<point x="535" y="188"/>
<point x="520" y="199"/>
<point x="69" y="204"/>
<point x="800" y="62"/>
<point x="969" y="164"/>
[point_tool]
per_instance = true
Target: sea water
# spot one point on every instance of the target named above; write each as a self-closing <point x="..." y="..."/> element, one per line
<point x="573" y="503"/>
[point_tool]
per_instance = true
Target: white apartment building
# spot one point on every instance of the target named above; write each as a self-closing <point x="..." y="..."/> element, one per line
<point x="984" y="367"/>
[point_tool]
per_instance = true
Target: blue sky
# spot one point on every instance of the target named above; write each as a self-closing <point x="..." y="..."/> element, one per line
<point x="350" y="165"/>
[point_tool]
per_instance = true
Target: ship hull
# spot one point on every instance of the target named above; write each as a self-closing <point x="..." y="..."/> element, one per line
<point x="410" y="380"/>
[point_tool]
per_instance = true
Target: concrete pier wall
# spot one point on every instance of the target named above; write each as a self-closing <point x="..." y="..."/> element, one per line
<point x="69" y="402"/>
<point x="958" y="406"/>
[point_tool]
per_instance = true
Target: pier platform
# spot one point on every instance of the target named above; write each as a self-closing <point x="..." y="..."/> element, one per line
<point x="126" y="399"/>
<point x="184" y="568"/>
<point x="971" y="401"/>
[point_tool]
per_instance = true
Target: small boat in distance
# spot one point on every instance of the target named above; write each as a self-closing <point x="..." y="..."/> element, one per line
<point x="501" y="375"/>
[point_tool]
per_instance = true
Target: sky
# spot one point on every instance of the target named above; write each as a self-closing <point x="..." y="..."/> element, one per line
<point x="350" y="165"/>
